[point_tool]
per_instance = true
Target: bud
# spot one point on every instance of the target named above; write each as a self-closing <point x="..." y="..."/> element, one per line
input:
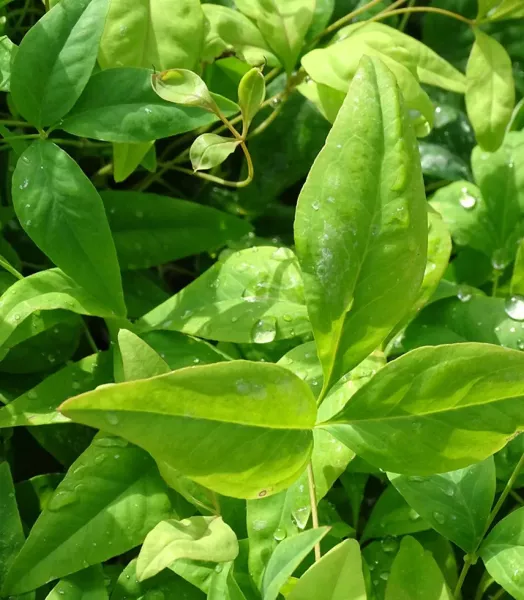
<point x="251" y="94"/>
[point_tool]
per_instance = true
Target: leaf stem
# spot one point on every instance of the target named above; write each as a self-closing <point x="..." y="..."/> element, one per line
<point x="423" y="9"/>
<point x="90" y="338"/>
<point x="313" y="502"/>
<point x="212" y="178"/>
<point x="343" y="20"/>
<point x="405" y="18"/>
<point x="496" y="277"/>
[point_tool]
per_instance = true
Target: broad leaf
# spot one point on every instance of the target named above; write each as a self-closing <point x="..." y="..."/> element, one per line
<point x="88" y="584"/>
<point x="286" y="558"/>
<point x="503" y="553"/>
<point x="362" y="259"/>
<point x="216" y="410"/>
<point x="415" y="575"/>
<point x="11" y="530"/>
<point x="456" y="504"/>
<point x="490" y="91"/>
<point x="127" y="157"/>
<point x="456" y="404"/>
<point x="55" y="60"/>
<point x="139" y="360"/>
<point x="196" y="538"/>
<point x="336" y="576"/>
<point x="119" y="105"/>
<point x="63" y="214"/>
<point x="112" y="493"/>
<point x="252" y="296"/>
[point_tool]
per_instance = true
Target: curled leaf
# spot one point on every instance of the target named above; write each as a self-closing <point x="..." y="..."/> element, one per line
<point x="182" y="86"/>
<point x="210" y="150"/>
<point x="251" y="94"/>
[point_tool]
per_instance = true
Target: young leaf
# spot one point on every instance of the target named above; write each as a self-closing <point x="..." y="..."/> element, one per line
<point x="286" y="558"/>
<point x="127" y="157"/>
<point x="251" y="94"/>
<point x="11" y="530"/>
<point x="210" y="150"/>
<point x="181" y="86"/>
<point x="88" y="584"/>
<point x="503" y="553"/>
<point x="139" y="360"/>
<point x="63" y="214"/>
<point x="196" y="538"/>
<point x="436" y="399"/>
<point x="112" y="492"/>
<point x="258" y="290"/>
<point x="336" y="576"/>
<point x="216" y="410"/>
<point x="55" y="60"/>
<point x="380" y="230"/>
<point x="119" y="105"/>
<point x="490" y="91"/>
<point x="415" y="575"/>
<point x="150" y="230"/>
<point x="152" y="32"/>
<point x="456" y="504"/>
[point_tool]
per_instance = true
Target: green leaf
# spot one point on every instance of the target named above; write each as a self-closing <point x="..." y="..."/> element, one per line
<point x="392" y="516"/>
<point x="223" y="585"/>
<point x="286" y="558"/>
<point x="503" y="553"/>
<point x="113" y="492"/>
<point x="182" y="86"/>
<point x="382" y="229"/>
<point x="214" y="409"/>
<point x="127" y="157"/>
<point x="11" y="531"/>
<point x="336" y="576"/>
<point x="138" y="34"/>
<point x="55" y="60"/>
<point x="196" y="538"/>
<point x="486" y="6"/>
<point x="150" y="230"/>
<point x="252" y="296"/>
<point x="283" y="23"/>
<point x="415" y="575"/>
<point x="63" y="214"/>
<point x="88" y="584"/>
<point x="456" y="504"/>
<point x="490" y="91"/>
<point x="456" y="404"/>
<point x="118" y="105"/>
<point x="210" y="150"/>
<point x="139" y="360"/>
<point x="38" y="405"/>
<point x="507" y="9"/>
<point x="251" y="94"/>
<point x="431" y="68"/>
<point x="7" y="53"/>
<point x="227" y="28"/>
<point x="517" y="278"/>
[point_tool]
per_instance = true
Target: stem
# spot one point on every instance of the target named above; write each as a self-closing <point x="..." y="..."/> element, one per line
<point x="219" y="180"/>
<point x="90" y="339"/>
<point x="265" y="124"/>
<point x="313" y="502"/>
<point x="423" y="9"/>
<point x="404" y="20"/>
<point x="496" y="277"/>
<point x="468" y="561"/>
<point x="10" y="269"/>
<point x="343" y="20"/>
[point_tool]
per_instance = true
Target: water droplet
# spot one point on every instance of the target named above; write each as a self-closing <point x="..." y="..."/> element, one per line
<point x="467" y="201"/>
<point x="32" y="394"/>
<point x="280" y="534"/>
<point x="413" y="515"/>
<point x="24" y="184"/>
<point x="111" y="442"/>
<point x="516" y="576"/>
<point x="439" y="517"/>
<point x="463" y="294"/>
<point x="75" y="385"/>
<point x="416" y="478"/>
<point x="389" y="544"/>
<point x="520" y="344"/>
<point x="196" y="361"/>
<point x="449" y="491"/>
<point x="99" y="459"/>
<point x="281" y="254"/>
<point x="17" y="317"/>
<point x="499" y="260"/>
<point x="112" y="418"/>
<point x="315" y="205"/>
<point x="514" y="307"/>
<point x="264" y="330"/>
<point x="61" y="499"/>
<point x="384" y="576"/>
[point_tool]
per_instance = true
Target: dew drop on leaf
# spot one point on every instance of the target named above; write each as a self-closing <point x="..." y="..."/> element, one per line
<point x="264" y="330"/>
<point x="467" y="201"/>
<point x="413" y="515"/>
<point x="61" y="499"/>
<point x="514" y="307"/>
<point x="439" y="517"/>
<point x="449" y="491"/>
<point x="390" y="544"/>
<point x="112" y="418"/>
<point x="281" y="254"/>
<point x="280" y="534"/>
<point x="463" y="294"/>
<point x="384" y="576"/>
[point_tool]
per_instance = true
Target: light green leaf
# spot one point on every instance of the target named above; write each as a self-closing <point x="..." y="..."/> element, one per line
<point x="431" y="68"/>
<point x="88" y="584"/>
<point x="150" y="230"/>
<point x="286" y="558"/>
<point x="113" y="492"/>
<point x="11" y="530"/>
<point x="210" y="150"/>
<point x="457" y="404"/>
<point x="139" y="360"/>
<point x="251" y="94"/>
<point x="38" y="405"/>
<point x="223" y="585"/>
<point x="415" y="575"/>
<point x="486" y="6"/>
<point x="490" y="91"/>
<point x="196" y="538"/>
<point x="55" y="59"/>
<point x="216" y="410"/>
<point x="182" y="86"/>
<point x="283" y="23"/>
<point x="226" y="29"/>
<point x="517" y="279"/>
<point x="336" y="576"/>
<point x="328" y="100"/>
<point x="63" y="214"/>
<point x="118" y="105"/>
<point x="7" y="53"/>
<point x="252" y="296"/>
<point x="127" y="157"/>
<point x="152" y="32"/>
<point x="507" y="9"/>
<point x="381" y="230"/>
<point x="456" y="504"/>
<point x="503" y="553"/>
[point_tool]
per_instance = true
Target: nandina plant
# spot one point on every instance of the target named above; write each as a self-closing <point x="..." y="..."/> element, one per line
<point x="262" y="300"/>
